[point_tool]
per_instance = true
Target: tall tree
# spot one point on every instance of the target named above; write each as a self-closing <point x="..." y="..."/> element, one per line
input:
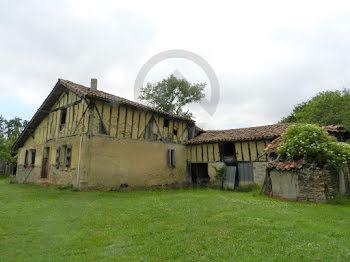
<point x="326" y="108"/>
<point x="172" y="94"/>
<point x="9" y="132"/>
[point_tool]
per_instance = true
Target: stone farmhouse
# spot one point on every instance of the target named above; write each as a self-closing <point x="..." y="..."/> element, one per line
<point x="92" y="139"/>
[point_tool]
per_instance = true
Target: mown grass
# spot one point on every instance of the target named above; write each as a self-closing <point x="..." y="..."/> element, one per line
<point x="49" y="224"/>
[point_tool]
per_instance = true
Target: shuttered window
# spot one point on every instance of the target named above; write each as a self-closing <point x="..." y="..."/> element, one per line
<point x="32" y="159"/>
<point x="171" y="158"/>
<point x="68" y="156"/>
<point x="58" y="150"/>
<point x="26" y="159"/>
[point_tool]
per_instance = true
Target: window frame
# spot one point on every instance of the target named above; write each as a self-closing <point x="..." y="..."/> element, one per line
<point x="32" y="157"/>
<point x="63" y="118"/>
<point x="172" y="157"/>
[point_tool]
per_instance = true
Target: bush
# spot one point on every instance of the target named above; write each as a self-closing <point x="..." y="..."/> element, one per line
<point x="313" y="144"/>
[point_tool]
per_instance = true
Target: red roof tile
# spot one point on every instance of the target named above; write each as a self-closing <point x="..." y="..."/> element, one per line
<point x="240" y="134"/>
<point x="86" y="91"/>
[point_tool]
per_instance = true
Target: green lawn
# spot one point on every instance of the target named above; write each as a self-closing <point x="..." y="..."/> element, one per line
<point x="48" y="224"/>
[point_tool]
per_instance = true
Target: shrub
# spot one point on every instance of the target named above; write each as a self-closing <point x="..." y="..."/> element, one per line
<point x="314" y="145"/>
<point x="220" y="174"/>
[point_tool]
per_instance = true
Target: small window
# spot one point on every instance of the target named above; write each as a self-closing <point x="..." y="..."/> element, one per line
<point x="63" y="118"/>
<point x="175" y="132"/>
<point x="166" y="122"/>
<point x="32" y="159"/>
<point x="58" y="150"/>
<point x="26" y="159"/>
<point x="68" y="155"/>
<point x="171" y="158"/>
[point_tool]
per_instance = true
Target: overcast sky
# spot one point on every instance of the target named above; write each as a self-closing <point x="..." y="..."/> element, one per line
<point x="267" y="55"/>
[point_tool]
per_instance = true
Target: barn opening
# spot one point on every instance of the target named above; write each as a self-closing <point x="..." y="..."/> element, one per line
<point x="228" y="152"/>
<point x="199" y="173"/>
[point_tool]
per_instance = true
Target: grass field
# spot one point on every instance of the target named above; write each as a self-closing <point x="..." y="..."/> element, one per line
<point x="48" y="224"/>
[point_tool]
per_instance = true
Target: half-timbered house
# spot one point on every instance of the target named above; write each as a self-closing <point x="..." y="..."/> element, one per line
<point x="88" y="138"/>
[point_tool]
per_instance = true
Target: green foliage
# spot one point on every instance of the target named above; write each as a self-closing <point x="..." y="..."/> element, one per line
<point x="172" y="94"/>
<point x="314" y="145"/>
<point x="220" y="174"/>
<point x="326" y="108"/>
<point x="9" y="132"/>
<point x="5" y="150"/>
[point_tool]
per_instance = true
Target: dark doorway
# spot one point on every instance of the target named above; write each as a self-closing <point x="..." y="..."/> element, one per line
<point x="45" y="163"/>
<point x="199" y="173"/>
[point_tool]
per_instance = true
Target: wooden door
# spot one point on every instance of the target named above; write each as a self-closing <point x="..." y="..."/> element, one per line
<point x="245" y="173"/>
<point x="230" y="177"/>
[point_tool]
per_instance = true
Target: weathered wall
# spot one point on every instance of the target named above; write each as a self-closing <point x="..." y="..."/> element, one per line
<point x="305" y="185"/>
<point x="211" y="170"/>
<point x="114" y="162"/>
<point x="203" y="153"/>
<point x="76" y="119"/>
<point x="244" y="151"/>
<point x="49" y="133"/>
<point x="344" y="186"/>
<point x="259" y="172"/>
<point x="122" y="121"/>
<point x="284" y="184"/>
<point x="61" y="175"/>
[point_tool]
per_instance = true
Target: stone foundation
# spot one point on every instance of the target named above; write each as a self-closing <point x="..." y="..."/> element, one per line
<point x="305" y="185"/>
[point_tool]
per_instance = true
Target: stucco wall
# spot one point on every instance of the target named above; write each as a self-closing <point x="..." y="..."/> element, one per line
<point x="60" y="176"/>
<point x="114" y="162"/>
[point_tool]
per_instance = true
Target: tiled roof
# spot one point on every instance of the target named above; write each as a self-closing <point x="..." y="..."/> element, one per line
<point x="241" y="134"/>
<point x="81" y="91"/>
<point x="286" y="165"/>
<point x="86" y="91"/>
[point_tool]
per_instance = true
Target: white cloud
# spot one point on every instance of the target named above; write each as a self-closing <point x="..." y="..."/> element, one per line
<point x="268" y="55"/>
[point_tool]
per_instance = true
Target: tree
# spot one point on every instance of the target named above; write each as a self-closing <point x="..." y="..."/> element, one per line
<point x="326" y="108"/>
<point x="9" y="132"/>
<point x="172" y="94"/>
<point x="312" y="144"/>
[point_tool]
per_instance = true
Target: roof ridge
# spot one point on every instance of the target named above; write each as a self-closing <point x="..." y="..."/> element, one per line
<point x="241" y="128"/>
<point x="111" y="97"/>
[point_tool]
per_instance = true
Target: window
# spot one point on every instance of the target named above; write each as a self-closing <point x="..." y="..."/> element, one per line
<point x="166" y="122"/>
<point x="32" y="159"/>
<point x="175" y="132"/>
<point x="171" y="158"/>
<point x="26" y="159"/>
<point x="63" y="118"/>
<point x="58" y="150"/>
<point x="67" y="155"/>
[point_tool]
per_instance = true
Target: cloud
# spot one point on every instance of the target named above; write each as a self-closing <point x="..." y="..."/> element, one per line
<point x="268" y="55"/>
